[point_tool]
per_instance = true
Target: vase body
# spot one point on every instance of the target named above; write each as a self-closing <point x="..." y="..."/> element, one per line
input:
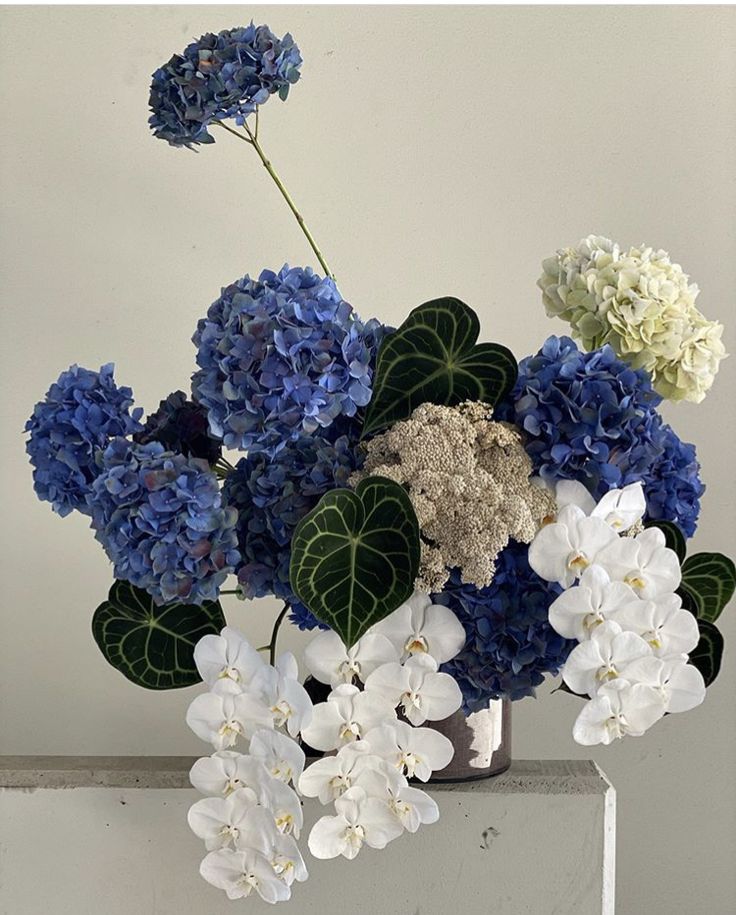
<point x="482" y="743"/>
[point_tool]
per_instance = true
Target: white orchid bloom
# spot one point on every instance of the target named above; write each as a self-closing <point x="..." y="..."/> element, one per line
<point x="259" y="832"/>
<point x="620" y="708"/>
<point x="330" y="777"/>
<point x="226" y="656"/>
<point x="622" y="508"/>
<point x="346" y="716"/>
<point x="644" y="562"/>
<point x="360" y="820"/>
<point x="240" y="873"/>
<point x="423" y="693"/>
<point x="226" y="771"/>
<point x="410" y="806"/>
<point x="663" y="623"/>
<point x="421" y="627"/>
<point x="602" y="658"/>
<point x="282" y="756"/>
<point x="680" y="685"/>
<point x="415" y="752"/>
<point x="218" y="820"/>
<point x="577" y="611"/>
<point x="279" y="689"/>
<point x="329" y="661"/>
<point x="284" y="804"/>
<point x="562" y="550"/>
<point x="221" y="718"/>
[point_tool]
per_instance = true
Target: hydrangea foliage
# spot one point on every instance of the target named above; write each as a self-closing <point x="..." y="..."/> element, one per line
<point x="160" y="519"/>
<point x="510" y="645"/>
<point x="82" y="411"/>
<point x="281" y="356"/>
<point x="218" y="77"/>
<point x="591" y="417"/>
<point x="181" y="426"/>
<point x="271" y="496"/>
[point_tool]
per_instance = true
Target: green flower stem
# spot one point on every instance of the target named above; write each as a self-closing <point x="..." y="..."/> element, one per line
<point x="234" y="591"/>
<point x="252" y="138"/>
<point x="275" y="632"/>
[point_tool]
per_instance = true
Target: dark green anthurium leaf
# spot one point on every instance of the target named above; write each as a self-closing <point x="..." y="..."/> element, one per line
<point x="153" y="646"/>
<point x="673" y="537"/>
<point x="355" y="556"/>
<point x="708" y="652"/>
<point x="433" y="358"/>
<point x="708" y="581"/>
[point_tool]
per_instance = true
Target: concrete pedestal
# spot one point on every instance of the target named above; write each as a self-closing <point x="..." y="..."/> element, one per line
<point x="108" y="836"/>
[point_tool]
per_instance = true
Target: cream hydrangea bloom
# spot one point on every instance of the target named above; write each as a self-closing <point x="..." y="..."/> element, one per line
<point x="468" y="479"/>
<point x="640" y="303"/>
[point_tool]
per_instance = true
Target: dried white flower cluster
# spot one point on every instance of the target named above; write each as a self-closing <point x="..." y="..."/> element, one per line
<point x="643" y="305"/>
<point x="468" y="480"/>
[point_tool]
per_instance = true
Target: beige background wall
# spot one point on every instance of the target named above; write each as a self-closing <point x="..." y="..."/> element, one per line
<point x="433" y="150"/>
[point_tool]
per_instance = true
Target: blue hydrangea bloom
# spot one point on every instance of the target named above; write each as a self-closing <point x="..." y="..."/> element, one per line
<point x="272" y="494"/>
<point x="511" y="645"/>
<point x="80" y="414"/>
<point x="592" y="417"/>
<point x="181" y="426"/>
<point x="160" y="518"/>
<point x="304" y="619"/>
<point x="217" y="77"/>
<point x="282" y="356"/>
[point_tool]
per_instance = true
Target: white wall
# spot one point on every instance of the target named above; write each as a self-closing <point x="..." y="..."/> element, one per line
<point x="434" y="151"/>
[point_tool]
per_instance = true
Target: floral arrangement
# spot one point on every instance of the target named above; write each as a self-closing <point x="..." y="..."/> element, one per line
<point x="453" y="527"/>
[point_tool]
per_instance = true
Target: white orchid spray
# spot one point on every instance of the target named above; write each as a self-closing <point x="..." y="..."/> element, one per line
<point x="621" y="605"/>
<point x="251" y="814"/>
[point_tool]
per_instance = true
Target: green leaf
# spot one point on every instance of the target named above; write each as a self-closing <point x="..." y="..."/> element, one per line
<point x="152" y="646"/>
<point x="708" y="581"/>
<point x="708" y="652"/>
<point x="673" y="537"/>
<point x="432" y="358"/>
<point x="355" y="556"/>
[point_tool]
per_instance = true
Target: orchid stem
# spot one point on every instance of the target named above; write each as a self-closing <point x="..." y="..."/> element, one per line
<point x="252" y="138"/>
<point x="275" y="632"/>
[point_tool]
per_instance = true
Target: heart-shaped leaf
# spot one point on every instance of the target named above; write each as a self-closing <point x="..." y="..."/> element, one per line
<point x="433" y="358"/>
<point x="153" y="646"/>
<point x="708" y="583"/>
<point x="708" y="652"/>
<point x="674" y="539"/>
<point x="355" y="556"/>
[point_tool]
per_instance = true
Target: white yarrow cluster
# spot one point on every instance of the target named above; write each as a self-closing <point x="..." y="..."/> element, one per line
<point x="620" y="604"/>
<point x="366" y="780"/>
<point x="643" y="305"/>
<point x="251" y="815"/>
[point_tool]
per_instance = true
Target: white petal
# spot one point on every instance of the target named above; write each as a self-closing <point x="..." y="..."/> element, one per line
<point x="581" y="667"/>
<point x="228" y="655"/>
<point x="641" y="706"/>
<point x="685" y="687"/>
<point x="323" y="733"/>
<point x="327" y="838"/>
<point x="324" y="656"/>
<point x="444" y="633"/>
<point x="590" y="726"/>
<point x="380" y="825"/>
<point x="390" y="681"/>
<point x="372" y="651"/>
<point x="620" y="508"/>
<point x="571" y="492"/>
<point x="423" y="808"/>
<point x="371" y="710"/>
<point x="549" y="552"/>
<point x="441" y="697"/>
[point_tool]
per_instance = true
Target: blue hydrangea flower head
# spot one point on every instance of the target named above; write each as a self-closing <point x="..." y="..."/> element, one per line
<point x="510" y="645"/>
<point x="181" y="426"/>
<point x="282" y="356"/>
<point x="82" y="411"/>
<point x="271" y="495"/>
<point x="592" y="417"/>
<point x="217" y="77"/>
<point x="160" y="519"/>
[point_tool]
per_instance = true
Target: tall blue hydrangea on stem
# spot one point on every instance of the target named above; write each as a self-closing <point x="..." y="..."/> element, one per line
<point x="82" y="411"/>
<point x="227" y="75"/>
<point x="593" y="418"/>
<point x="510" y="645"/>
<point x="282" y="356"/>
<point x="160" y="519"/>
<point x="272" y="494"/>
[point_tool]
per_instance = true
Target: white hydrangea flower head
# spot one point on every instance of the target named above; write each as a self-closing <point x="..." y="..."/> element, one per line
<point x="643" y="305"/>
